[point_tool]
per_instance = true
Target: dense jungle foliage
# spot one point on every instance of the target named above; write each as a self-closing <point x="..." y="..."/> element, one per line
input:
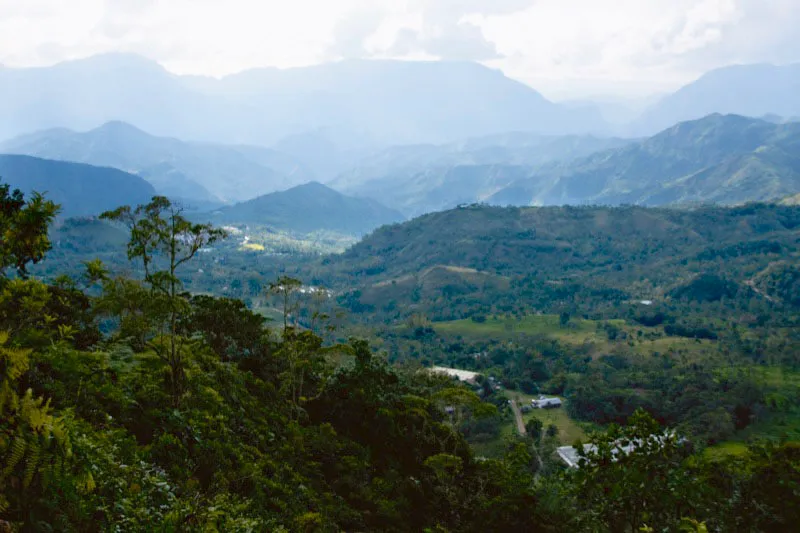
<point x="129" y="404"/>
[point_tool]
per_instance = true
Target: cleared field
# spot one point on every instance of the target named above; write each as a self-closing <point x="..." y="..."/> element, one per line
<point x="726" y="449"/>
<point x="782" y="423"/>
<point x="568" y="429"/>
<point x="576" y="331"/>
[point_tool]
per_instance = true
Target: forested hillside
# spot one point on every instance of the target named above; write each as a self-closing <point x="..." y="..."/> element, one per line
<point x="308" y="208"/>
<point x="641" y="252"/>
<point x="130" y="404"/>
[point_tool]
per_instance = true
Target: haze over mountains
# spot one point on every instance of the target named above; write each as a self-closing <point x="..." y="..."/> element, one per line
<point x="721" y="158"/>
<point x="373" y="102"/>
<point x="419" y="179"/>
<point x="414" y="136"/>
<point x="749" y="90"/>
<point x="192" y="171"/>
<point x="81" y="190"/>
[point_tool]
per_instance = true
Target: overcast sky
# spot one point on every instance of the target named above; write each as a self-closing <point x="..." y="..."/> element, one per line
<point x="564" y="48"/>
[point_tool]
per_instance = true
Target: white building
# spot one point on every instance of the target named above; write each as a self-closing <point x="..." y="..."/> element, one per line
<point x="543" y="402"/>
<point x="462" y="375"/>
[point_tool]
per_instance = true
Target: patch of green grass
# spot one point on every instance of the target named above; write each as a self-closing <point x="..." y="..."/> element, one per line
<point x="672" y="345"/>
<point x="726" y="449"/>
<point x="576" y="331"/>
<point x="779" y="377"/>
<point x="569" y="430"/>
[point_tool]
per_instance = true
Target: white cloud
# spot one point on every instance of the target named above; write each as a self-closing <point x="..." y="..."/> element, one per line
<point x="569" y="46"/>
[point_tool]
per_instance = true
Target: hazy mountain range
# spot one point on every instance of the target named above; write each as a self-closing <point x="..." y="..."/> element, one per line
<point x="720" y="158"/>
<point x="419" y="179"/>
<point x="749" y="90"/>
<point x="415" y="137"/>
<point x="196" y="172"/>
<point x="80" y="189"/>
<point x="356" y="103"/>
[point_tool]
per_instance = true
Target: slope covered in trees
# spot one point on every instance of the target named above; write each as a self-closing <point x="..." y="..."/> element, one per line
<point x="128" y="404"/>
<point x="307" y="208"/>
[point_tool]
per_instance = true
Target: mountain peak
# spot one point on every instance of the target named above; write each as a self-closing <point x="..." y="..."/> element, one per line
<point x="119" y="127"/>
<point x="311" y="207"/>
<point x="751" y="90"/>
<point x="126" y="60"/>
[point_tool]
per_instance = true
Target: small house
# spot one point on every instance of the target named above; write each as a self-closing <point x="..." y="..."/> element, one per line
<point x="543" y="402"/>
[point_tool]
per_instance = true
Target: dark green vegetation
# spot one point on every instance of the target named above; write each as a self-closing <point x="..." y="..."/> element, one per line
<point x="79" y="189"/>
<point x="308" y="208"/>
<point x="195" y="172"/>
<point x="585" y="258"/>
<point x="128" y="403"/>
<point x="726" y="159"/>
<point x="614" y="308"/>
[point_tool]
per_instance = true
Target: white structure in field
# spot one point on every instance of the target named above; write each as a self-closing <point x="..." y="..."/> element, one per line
<point x="462" y="375"/>
<point x="543" y="402"/>
<point x="569" y="454"/>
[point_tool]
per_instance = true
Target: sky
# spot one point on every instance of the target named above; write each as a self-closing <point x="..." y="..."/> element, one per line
<point x="567" y="49"/>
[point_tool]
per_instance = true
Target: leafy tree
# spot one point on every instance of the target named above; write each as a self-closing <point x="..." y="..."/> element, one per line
<point x="23" y="229"/>
<point x="286" y="288"/>
<point x="535" y="429"/>
<point x="630" y="476"/>
<point x="164" y="240"/>
<point x="229" y="328"/>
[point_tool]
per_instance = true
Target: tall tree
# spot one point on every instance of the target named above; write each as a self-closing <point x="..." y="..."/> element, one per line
<point x="164" y="240"/>
<point x="286" y="288"/>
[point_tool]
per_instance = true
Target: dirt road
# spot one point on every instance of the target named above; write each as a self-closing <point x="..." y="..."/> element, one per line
<point x="523" y="433"/>
<point x="518" y="418"/>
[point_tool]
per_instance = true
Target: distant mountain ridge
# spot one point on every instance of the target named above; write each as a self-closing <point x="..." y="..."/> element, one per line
<point x="725" y="159"/>
<point x="418" y="179"/>
<point x="751" y="90"/>
<point x="308" y="208"/>
<point x="81" y="190"/>
<point x="380" y="102"/>
<point x="196" y="172"/>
